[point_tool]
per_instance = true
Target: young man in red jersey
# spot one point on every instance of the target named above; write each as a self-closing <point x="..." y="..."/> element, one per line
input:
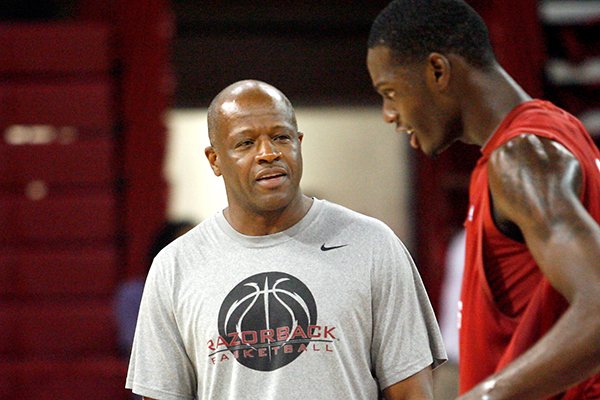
<point x="531" y="289"/>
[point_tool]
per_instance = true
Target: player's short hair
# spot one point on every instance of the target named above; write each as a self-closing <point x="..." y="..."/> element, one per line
<point x="413" y="29"/>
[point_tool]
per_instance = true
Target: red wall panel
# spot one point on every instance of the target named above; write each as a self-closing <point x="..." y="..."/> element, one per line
<point x="55" y="48"/>
<point x="67" y="103"/>
<point x="59" y="219"/>
<point x="74" y="162"/>
<point x="37" y="273"/>
<point x="62" y="329"/>
<point x="94" y="378"/>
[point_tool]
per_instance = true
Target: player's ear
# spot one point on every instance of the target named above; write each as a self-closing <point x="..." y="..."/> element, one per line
<point x="213" y="159"/>
<point x="438" y="71"/>
<point x="300" y="136"/>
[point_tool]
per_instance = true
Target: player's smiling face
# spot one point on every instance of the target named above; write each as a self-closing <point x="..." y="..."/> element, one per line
<point x="258" y="153"/>
<point x="411" y="101"/>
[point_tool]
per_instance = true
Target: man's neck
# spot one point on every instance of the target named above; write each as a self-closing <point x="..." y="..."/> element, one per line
<point x="261" y="223"/>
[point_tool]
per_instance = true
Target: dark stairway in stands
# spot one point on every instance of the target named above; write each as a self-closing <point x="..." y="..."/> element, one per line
<point x="81" y="142"/>
<point x="572" y="71"/>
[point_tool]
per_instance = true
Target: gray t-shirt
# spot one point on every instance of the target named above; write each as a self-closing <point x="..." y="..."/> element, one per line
<point x="331" y="308"/>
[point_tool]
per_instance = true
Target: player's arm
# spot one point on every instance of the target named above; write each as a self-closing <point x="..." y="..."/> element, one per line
<point x="535" y="184"/>
<point x="416" y="387"/>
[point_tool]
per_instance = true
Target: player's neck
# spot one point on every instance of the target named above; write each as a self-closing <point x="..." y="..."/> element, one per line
<point x="493" y="94"/>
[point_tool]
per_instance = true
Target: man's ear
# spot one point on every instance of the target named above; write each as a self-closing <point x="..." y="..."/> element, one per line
<point x="300" y="136"/>
<point x="213" y="160"/>
<point x="439" y="70"/>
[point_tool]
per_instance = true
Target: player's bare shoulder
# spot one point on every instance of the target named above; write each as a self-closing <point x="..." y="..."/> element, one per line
<point x="532" y="178"/>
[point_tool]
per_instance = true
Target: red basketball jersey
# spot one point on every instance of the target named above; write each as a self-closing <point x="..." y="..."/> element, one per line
<point x="507" y="310"/>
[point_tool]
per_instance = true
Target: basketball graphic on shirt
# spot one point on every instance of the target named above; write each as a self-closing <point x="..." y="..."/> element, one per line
<point x="266" y="320"/>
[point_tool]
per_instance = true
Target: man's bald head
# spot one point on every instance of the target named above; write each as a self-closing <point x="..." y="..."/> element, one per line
<point x="238" y="98"/>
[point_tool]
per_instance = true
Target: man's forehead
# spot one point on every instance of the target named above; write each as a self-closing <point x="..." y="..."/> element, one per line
<point x="259" y="117"/>
<point x="248" y="102"/>
<point x="254" y="126"/>
<point x="380" y="58"/>
<point x="249" y="105"/>
<point x="230" y="107"/>
<point x="253" y="89"/>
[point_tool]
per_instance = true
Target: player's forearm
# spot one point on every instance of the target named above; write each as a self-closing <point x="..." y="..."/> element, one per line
<point x="568" y="353"/>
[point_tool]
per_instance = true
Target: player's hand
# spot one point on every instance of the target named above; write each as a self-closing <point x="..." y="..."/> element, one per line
<point x="480" y="392"/>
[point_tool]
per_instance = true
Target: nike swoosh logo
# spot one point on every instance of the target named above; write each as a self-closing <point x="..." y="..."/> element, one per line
<point x="325" y="248"/>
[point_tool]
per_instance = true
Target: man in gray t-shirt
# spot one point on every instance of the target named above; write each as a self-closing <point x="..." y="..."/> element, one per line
<point x="280" y="296"/>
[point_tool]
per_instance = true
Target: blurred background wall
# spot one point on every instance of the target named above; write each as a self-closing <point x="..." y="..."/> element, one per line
<point x="102" y="108"/>
<point x="350" y="157"/>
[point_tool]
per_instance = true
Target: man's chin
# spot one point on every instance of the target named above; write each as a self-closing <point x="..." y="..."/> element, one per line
<point x="428" y="151"/>
<point x="434" y="151"/>
<point x="274" y="201"/>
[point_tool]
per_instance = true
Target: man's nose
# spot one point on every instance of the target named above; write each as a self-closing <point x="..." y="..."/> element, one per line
<point x="390" y="115"/>
<point x="267" y="152"/>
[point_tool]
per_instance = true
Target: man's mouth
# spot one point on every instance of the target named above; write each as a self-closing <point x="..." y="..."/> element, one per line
<point x="271" y="177"/>
<point x="414" y="142"/>
<point x="401" y="129"/>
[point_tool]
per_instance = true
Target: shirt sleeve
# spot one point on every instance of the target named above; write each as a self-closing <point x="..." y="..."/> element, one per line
<point x="160" y="367"/>
<point x="406" y="336"/>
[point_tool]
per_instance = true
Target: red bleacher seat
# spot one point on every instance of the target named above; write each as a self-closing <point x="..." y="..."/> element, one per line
<point x="67" y="330"/>
<point x="29" y="273"/>
<point x="54" y="48"/>
<point x="98" y="378"/>
<point x="72" y="163"/>
<point x="69" y="208"/>
<point x="67" y="103"/>
<point x="56" y="218"/>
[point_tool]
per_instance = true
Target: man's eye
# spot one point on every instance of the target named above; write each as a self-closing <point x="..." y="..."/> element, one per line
<point x="282" y="137"/>
<point x="244" y="143"/>
<point x="388" y="95"/>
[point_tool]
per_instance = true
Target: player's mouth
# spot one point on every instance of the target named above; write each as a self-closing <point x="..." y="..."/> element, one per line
<point x="414" y="141"/>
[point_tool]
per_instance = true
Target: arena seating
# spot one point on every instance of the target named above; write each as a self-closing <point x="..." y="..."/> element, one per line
<point x="60" y="210"/>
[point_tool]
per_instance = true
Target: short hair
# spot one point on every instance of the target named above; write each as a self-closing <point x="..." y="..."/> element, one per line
<point x="246" y="85"/>
<point x="413" y="29"/>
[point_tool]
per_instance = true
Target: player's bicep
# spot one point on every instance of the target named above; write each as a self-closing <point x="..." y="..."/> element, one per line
<point x="535" y="184"/>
